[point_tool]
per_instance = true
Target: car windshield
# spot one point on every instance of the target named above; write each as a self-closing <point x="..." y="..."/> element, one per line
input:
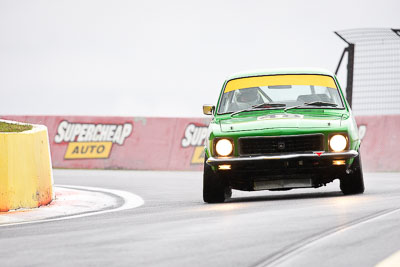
<point x="280" y="92"/>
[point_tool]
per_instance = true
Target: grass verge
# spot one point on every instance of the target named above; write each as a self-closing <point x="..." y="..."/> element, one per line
<point x="10" y="127"/>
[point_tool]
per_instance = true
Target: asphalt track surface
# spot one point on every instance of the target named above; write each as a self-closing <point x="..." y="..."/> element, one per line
<point x="307" y="227"/>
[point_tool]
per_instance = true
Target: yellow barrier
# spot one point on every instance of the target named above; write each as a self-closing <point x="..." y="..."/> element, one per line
<point x="26" y="179"/>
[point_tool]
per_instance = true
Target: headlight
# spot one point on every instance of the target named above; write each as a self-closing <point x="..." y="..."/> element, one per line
<point x="338" y="142"/>
<point x="224" y="147"/>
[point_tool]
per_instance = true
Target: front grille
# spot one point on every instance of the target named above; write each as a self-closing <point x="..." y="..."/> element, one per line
<point x="280" y="144"/>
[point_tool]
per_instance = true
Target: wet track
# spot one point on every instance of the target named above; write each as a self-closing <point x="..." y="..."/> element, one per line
<point x="318" y="227"/>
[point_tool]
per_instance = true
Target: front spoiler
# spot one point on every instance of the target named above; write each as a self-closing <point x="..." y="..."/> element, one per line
<point x="213" y="161"/>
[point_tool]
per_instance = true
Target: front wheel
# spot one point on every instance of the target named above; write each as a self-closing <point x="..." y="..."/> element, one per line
<point x="214" y="188"/>
<point x="353" y="183"/>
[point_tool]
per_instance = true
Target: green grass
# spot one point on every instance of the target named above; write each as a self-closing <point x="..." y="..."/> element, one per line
<point x="9" y="127"/>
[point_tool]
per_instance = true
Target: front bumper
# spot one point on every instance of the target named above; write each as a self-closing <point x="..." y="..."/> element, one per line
<point x="214" y="161"/>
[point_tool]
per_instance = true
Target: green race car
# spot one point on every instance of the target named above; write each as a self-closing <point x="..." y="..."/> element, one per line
<point x="279" y="130"/>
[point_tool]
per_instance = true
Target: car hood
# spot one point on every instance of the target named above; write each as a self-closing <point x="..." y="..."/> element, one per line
<point x="281" y="121"/>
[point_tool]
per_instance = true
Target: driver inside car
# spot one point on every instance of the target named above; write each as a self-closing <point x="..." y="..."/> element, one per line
<point x="248" y="97"/>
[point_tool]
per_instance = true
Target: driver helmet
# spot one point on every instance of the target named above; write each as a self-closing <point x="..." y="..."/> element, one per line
<point x="247" y="97"/>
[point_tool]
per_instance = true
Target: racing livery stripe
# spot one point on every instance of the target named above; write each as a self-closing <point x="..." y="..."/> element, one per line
<point x="274" y="80"/>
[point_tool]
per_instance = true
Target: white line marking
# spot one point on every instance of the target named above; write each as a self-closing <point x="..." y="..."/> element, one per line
<point x="131" y="201"/>
<point x="305" y="244"/>
<point x="392" y="261"/>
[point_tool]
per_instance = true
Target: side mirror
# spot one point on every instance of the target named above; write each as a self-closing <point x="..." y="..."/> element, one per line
<point x="208" y="109"/>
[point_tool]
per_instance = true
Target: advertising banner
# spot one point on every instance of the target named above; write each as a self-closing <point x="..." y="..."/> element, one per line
<point x="88" y="142"/>
<point x="140" y="143"/>
<point x="380" y="142"/>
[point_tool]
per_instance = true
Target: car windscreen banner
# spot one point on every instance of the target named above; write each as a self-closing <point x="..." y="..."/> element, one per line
<point x="89" y="142"/>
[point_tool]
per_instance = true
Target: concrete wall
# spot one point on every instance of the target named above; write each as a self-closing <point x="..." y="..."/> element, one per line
<point x="380" y="146"/>
<point x="177" y="143"/>
<point x="90" y="142"/>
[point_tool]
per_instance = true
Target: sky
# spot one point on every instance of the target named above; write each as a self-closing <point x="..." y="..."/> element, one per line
<point x="161" y="58"/>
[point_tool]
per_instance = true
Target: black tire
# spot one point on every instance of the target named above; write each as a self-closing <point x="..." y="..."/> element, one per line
<point x="353" y="183"/>
<point x="214" y="188"/>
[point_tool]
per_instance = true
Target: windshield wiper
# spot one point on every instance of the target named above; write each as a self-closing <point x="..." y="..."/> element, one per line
<point x="263" y="106"/>
<point x="269" y="105"/>
<point x="314" y="103"/>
